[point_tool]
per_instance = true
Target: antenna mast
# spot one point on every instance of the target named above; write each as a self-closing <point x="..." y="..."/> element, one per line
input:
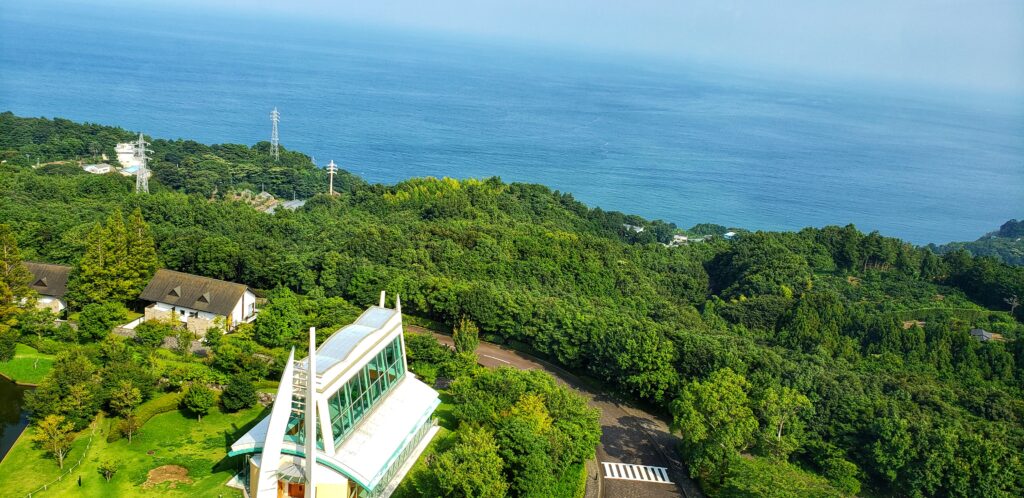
<point x="331" y="170"/>
<point x="142" y="175"/>
<point x="274" y="118"/>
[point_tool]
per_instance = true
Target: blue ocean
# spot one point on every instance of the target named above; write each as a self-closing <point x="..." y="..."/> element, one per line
<point x="683" y="143"/>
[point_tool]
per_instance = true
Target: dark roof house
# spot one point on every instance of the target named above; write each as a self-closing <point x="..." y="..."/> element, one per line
<point x="985" y="336"/>
<point x="48" y="279"/>
<point x="194" y="292"/>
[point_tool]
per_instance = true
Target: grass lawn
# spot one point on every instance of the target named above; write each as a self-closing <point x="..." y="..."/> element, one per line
<point x="28" y="366"/>
<point x="167" y="439"/>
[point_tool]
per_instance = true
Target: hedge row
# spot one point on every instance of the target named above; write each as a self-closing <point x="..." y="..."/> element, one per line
<point x="161" y="404"/>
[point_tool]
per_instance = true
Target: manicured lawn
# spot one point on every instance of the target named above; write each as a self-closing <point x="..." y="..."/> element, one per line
<point x="28" y="366"/>
<point x="167" y="439"/>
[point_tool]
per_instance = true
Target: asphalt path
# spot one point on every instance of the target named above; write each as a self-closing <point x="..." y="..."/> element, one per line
<point x="628" y="435"/>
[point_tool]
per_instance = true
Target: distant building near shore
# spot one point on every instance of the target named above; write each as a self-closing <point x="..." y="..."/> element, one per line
<point x="985" y="336"/>
<point x="99" y="169"/>
<point x="51" y="282"/>
<point x="289" y="205"/>
<point x="127" y="157"/>
<point x="634" y="228"/>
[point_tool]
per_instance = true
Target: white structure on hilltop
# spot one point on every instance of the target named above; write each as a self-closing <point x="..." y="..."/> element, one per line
<point x="274" y="145"/>
<point x="371" y="419"/>
<point x="98" y="169"/>
<point x="127" y="157"/>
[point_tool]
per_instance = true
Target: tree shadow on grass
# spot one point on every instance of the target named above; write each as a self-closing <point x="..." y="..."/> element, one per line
<point x="230" y="436"/>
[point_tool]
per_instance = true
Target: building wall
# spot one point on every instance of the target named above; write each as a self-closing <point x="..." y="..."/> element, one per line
<point x="51" y="303"/>
<point x="332" y="491"/>
<point x="196" y="321"/>
<point x="126" y="155"/>
<point x="244" y="308"/>
<point x="254" y="478"/>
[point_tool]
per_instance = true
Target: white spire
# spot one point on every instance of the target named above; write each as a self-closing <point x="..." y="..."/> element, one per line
<point x="398" y="303"/>
<point x="311" y="405"/>
<point x="381" y="299"/>
<point x="266" y="487"/>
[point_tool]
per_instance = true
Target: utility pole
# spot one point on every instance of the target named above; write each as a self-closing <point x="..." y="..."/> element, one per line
<point x="274" y="118"/>
<point x="142" y="175"/>
<point x="331" y="170"/>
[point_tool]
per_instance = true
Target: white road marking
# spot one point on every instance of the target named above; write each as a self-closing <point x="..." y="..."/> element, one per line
<point x="496" y="358"/>
<point x="628" y="472"/>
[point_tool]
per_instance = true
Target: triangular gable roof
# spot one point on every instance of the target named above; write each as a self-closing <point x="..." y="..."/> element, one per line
<point x="192" y="291"/>
<point x="49" y="280"/>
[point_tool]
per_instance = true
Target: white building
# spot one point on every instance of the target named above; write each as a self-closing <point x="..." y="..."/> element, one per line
<point x="372" y="419"/>
<point x="126" y="155"/>
<point x="98" y="169"/>
<point x="51" y="282"/>
<point x="198" y="302"/>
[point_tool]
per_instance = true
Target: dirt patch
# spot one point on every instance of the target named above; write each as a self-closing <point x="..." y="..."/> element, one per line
<point x="173" y="474"/>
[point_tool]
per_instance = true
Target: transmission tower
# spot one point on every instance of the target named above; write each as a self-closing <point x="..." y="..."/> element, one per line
<point x="331" y="170"/>
<point x="142" y="175"/>
<point x="274" y="118"/>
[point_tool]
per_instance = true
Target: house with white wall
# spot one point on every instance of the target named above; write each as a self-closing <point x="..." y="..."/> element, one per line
<point x="198" y="302"/>
<point x="51" y="283"/>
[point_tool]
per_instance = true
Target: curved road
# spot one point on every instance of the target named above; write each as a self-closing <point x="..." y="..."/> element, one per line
<point x="628" y="435"/>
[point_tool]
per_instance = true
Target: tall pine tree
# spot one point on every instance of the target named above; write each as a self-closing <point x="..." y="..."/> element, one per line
<point x="14" y="286"/>
<point x="13" y="272"/>
<point x="102" y="274"/>
<point x="141" y="253"/>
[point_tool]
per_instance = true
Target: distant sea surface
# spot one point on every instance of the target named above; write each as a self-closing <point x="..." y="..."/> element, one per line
<point x="683" y="144"/>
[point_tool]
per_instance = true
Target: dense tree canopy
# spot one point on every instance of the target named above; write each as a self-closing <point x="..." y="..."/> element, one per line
<point x="851" y="351"/>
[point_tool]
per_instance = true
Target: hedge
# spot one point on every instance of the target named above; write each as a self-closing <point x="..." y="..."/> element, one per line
<point x="161" y="404"/>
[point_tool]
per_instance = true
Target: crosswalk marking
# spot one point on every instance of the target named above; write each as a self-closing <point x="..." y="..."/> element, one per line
<point x="629" y="472"/>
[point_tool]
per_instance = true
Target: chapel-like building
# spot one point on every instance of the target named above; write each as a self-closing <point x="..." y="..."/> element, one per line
<point x="372" y="419"/>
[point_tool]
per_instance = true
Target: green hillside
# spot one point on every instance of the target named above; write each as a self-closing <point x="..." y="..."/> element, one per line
<point x="839" y="353"/>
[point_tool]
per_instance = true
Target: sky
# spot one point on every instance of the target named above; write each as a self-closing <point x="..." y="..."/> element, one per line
<point x="975" y="45"/>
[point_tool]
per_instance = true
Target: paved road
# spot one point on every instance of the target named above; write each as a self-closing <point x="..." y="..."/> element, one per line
<point x="628" y="435"/>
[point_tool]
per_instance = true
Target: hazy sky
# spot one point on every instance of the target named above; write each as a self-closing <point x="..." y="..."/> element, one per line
<point x="970" y="44"/>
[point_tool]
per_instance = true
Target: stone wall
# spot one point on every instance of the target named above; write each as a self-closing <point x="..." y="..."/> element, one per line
<point x="199" y="326"/>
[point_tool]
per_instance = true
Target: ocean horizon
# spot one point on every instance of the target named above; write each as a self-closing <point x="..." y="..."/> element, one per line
<point x="672" y="141"/>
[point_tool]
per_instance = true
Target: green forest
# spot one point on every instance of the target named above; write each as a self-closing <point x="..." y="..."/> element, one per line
<point x="1006" y="244"/>
<point x="827" y="361"/>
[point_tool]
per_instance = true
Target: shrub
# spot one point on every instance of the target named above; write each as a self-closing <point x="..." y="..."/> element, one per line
<point x="96" y="320"/>
<point x="198" y="400"/>
<point x="240" y="393"/>
<point x="151" y="334"/>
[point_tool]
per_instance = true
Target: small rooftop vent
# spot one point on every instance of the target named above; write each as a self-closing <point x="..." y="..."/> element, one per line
<point x="175" y="292"/>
